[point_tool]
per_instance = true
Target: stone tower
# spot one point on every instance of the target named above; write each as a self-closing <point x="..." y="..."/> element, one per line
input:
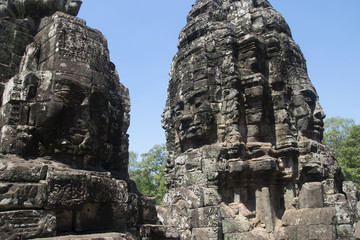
<point x="244" y="128"/>
<point x="64" y="117"/>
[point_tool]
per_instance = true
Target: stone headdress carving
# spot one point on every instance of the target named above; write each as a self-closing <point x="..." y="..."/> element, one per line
<point x="38" y="8"/>
<point x="243" y="125"/>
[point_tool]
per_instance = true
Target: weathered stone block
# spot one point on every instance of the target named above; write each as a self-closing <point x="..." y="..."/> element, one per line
<point x="198" y="177"/>
<point x="322" y="232"/>
<point x="311" y="195"/>
<point x="5" y="55"/>
<point x="313" y="216"/>
<point x="345" y="231"/>
<point x="352" y="193"/>
<point x="97" y="236"/>
<point x="357" y="230"/>
<point x="178" y="214"/>
<point x="64" y="221"/>
<point x="205" y="234"/>
<point x="205" y="217"/>
<point x="22" y="171"/>
<point x="327" y="216"/>
<point x="105" y="216"/>
<point x="25" y="224"/>
<point x="287" y="232"/>
<point x="303" y="232"/>
<point x="211" y="197"/>
<point x="193" y="164"/>
<point x="343" y="213"/>
<point x="159" y="232"/>
<point x="256" y="234"/>
<point x="262" y="165"/>
<point x="237" y="166"/>
<point x="22" y="195"/>
<point x="75" y="188"/>
<point x="147" y="210"/>
<point x="236" y="225"/>
<point x="66" y="191"/>
<point x="102" y="189"/>
<point x="193" y="198"/>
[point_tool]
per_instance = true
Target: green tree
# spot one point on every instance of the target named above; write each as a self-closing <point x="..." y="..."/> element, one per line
<point x="149" y="172"/>
<point x="349" y="154"/>
<point x="343" y="136"/>
<point x="336" y="131"/>
<point x="133" y="156"/>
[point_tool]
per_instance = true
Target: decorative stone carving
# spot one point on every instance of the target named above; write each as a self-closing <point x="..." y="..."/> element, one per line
<point x="38" y="8"/>
<point x="63" y="122"/>
<point x="66" y="101"/>
<point x="244" y="128"/>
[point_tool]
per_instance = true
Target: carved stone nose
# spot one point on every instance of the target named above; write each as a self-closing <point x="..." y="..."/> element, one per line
<point x="319" y="113"/>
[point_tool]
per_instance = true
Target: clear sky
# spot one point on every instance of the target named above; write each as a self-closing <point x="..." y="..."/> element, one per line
<point x="143" y="37"/>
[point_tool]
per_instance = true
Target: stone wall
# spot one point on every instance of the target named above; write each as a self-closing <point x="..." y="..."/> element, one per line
<point x="66" y="101"/>
<point x="64" y="117"/>
<point x="244" y="128"/>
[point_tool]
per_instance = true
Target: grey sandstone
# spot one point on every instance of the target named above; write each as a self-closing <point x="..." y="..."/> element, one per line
<point x="243" y="128"/>
<point x="64" y="117"/>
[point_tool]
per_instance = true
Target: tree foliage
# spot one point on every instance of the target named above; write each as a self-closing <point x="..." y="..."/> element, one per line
<point x="343" y="136"/>
<point x="336" y="131"/>
<point x="148" y="173"/>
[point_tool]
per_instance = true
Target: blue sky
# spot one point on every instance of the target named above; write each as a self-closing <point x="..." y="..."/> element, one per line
<point x="143" y="37"/>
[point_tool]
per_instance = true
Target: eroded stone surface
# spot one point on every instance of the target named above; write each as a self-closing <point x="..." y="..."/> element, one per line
<point x="101" y="236"/>
<point x="37" y="8"/>
<point x="67" y="102"/>
<point x="64" y="117"/>
<point x="26" y="224"/>
<point x="244" y="128"/>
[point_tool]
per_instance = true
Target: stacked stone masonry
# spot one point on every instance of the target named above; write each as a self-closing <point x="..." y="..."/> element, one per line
<point x="64" y="117"/>
<point x="244" y="128"/>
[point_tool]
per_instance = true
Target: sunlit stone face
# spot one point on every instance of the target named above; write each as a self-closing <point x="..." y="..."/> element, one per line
<point x="38" y="8"/>
<point x="67" y="104"/>
<point x="250" y="141"/>
<point x="194" y="121"/>
<point x="308" y="114"/>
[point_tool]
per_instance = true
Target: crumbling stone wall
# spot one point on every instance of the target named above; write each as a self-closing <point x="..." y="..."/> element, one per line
<point x="66" y="101"/>
<point x="244" y="127"/>
<point x="64" y="117"/>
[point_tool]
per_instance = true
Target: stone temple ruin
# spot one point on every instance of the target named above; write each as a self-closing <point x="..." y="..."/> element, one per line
<point x="64" y="117"/>
<point x="243" y="126"/>
<point x="244" y="129"/>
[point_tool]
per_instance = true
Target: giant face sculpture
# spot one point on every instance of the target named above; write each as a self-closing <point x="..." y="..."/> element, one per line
<point x="38" y="8"/>
<point x="65" y="105"/>
<point x="308" y="114"/>
<point x="195" y="122"/>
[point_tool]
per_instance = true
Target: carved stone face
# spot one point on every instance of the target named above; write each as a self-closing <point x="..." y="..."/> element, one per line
<point x="195" y="120"/>
<point x="72" y="7"/>
<point x="38" y="8"/>
<point x="77" y="113"/>
<point x="308" y="114"/>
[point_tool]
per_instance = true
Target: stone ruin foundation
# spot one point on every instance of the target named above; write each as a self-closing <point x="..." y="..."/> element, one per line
<point x="243" y="126"/>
